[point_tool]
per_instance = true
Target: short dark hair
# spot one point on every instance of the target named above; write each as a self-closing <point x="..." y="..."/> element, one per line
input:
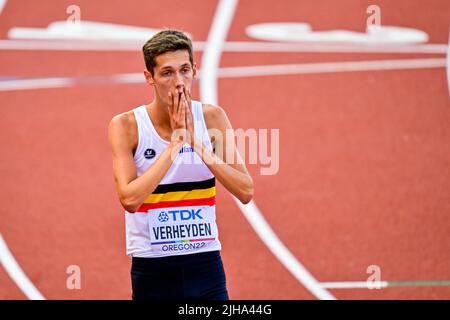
<point x="165" y="41"/>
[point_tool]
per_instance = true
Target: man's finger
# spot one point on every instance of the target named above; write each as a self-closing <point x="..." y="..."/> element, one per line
<point x="175" y="103"/>
<point x="179" y="92"/>
<point x="181" y="108"/>
<point x="171" y="107"/>
<point x="189" y="100"/>
<point x="188" y="95"/>
<point x="188" y="115"/>
<point x="188" y="111"/>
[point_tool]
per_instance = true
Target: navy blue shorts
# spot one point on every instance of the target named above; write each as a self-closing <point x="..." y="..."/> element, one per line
<point x="191" y="276"/>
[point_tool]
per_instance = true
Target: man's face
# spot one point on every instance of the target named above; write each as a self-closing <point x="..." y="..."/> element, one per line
<point x="173" y="72"/>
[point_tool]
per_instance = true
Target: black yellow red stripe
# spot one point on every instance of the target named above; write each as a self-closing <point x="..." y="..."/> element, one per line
<point x="181" y="195"/>
<point x="185" y="186"/>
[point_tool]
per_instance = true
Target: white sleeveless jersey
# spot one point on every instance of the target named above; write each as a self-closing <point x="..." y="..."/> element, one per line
<point x="179" y="217"/>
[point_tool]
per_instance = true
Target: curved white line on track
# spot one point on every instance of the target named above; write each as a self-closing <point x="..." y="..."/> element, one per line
<point x="279" y="250"/>
<point x="16" y="273"/>
<point x="208" y="91"/>
<point x="10" y="264"/>
<point x="213" y="49"/>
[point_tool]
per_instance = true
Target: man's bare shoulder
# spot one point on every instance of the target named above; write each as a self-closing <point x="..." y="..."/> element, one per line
<point x="123" y="121"/>
<point x="124" y="125"/>
<point x="213" y="115"/>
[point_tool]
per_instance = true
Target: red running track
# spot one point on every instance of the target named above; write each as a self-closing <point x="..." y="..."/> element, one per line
<point x="364" y="173"/>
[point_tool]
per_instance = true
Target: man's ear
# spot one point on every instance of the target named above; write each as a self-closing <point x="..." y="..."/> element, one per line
<point x="148" y="77"/>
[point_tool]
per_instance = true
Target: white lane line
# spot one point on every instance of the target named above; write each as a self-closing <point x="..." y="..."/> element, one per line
<point x="249" y="46"/>
<point x="231" y="72"/>
<point x="208" y="91"/>
<point x="307" y="68"/>
<point x="231" y="46"/>
<point x="354" y="284"/>
<point x="10" y="264"/>
<point x="31" y="84"/>
<point x="331" y="67"/>
<point x="384" y="284"/>
<point x="279" y="250"/>
<point x="68" y="45"/>
<point x="2" y="5"/>
<point x="213" y="49"/>
<point x="16" y="273"/>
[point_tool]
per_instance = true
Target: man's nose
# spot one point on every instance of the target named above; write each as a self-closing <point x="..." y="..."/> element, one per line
<point x="179" y="83"/>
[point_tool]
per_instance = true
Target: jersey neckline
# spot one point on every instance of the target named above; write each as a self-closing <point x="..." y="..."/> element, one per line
<point x="153" y="127"/>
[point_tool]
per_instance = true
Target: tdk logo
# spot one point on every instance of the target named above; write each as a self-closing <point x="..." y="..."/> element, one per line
<point x="180" y="215"/>
<point x="163" y="216"/>
<point x="149" y="154"/>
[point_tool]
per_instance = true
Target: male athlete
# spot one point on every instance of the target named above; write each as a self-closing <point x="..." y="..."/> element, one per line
<point x="165" y="163"/>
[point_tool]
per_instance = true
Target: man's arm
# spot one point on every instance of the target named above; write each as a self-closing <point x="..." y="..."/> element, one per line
<point x="133" y="190"/>
<point x="226" y="163"/>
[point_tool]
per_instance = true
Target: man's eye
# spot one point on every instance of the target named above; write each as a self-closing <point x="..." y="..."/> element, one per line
<point x="186" y="70"/>
<point x="165" y="74"/>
